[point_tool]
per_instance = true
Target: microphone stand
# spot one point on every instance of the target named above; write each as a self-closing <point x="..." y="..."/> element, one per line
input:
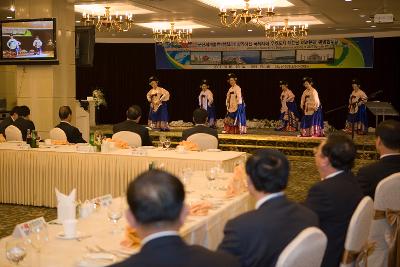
<point x="371" y="96"/>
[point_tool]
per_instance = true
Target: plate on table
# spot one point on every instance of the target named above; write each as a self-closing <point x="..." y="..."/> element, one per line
<point x="147" y="147"/>
<point x="97" y="259"/>
<point x="213" y="150"/>
<point x="61" y="235"/>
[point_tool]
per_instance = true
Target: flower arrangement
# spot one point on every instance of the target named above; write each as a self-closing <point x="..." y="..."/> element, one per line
<point x="98" y="97"/>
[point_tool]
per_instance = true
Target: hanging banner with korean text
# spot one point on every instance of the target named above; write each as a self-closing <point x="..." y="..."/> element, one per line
<point x="355" y="52"/>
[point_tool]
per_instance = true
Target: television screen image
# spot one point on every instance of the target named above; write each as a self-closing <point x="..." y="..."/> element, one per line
<point x="28" y="39"/>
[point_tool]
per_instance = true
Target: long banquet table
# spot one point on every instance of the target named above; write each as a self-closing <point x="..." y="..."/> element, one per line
<point x="202" y="230"/>
<point x="29" y="176"/>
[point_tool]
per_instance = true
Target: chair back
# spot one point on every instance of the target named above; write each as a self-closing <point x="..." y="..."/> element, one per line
<point x="57" y="134"/>
<point x="358" y="231"/>
<point x="204" y="141"/>
<point x="133" y="139"/>
<point x="387" y="196"/>
<point x="306" y="250"/>
<point x="13" y="133"/>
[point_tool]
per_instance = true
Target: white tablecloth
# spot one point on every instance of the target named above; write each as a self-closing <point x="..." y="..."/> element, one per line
<point x="29" y="176"/>
<point x="202" y="230"/>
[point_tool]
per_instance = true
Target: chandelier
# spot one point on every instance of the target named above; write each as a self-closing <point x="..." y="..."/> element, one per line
<point x="172" y="35"/>
<point x="286" y="31"/>
<point x="235" y="17"/>
<point x="108" y="22"/>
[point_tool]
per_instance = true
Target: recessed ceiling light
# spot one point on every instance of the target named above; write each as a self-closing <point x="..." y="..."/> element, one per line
<point x="9" y="17"/>
<point x="249" y="30"/>
<point x="373" y="26"/>
<point x="368" y="21"/>
<point x="125" y="30"/>
<point x="212" y="31"/>
<point x="347" y="0"/>
<point x="77" y="21"/>
<point x="362" y="15"/>
<point x="356" y="9"/>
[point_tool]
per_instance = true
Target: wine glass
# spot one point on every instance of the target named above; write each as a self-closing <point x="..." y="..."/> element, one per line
<point x="211" y="175"/>
<point x="15" y="250"/>
<point x="38" y="237"/>
<point x="167" y="143"/>
<point x="186" y="174"/>
<point x="162" y="140"/>
<point x="114" y="213"/>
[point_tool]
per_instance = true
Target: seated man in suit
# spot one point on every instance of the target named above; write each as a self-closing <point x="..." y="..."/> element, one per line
<point x="157" y="211"/>
<point x="9" y="120"/>
<point x="388" y="146"/>
<point x="199" y="118"/>
<point x="258" y="237"/>
<point x="337" y="195"/>
<point x="23" y="123"/>
<point x="131" y="124"/>
<point x="73" y="134"/>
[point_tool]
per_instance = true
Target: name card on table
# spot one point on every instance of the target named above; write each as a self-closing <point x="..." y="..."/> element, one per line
<point x="103" y="201"/>
<point x="24" y="229"/>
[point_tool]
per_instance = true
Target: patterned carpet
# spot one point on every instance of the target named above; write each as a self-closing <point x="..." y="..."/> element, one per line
<point x="303" y="175"/>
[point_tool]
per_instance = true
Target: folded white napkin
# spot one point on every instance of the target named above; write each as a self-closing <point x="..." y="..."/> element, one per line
<point x="66" y="207"/>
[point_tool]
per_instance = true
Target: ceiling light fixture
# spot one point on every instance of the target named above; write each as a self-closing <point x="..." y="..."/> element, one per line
<point x="234" y="17"/>
<point x="172" y="35"/>
<point x="286" y="31"/>
<point x="108" y="22"/>
<point x="368" y="21"/>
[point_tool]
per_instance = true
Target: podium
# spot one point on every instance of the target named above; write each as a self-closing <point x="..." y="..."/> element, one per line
<point x="381" y="109"/>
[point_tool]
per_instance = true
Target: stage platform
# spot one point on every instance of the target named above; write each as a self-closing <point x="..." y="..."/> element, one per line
<point x="287" y="142"/>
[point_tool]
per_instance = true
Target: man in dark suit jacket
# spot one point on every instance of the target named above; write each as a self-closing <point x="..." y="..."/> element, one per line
<point x="337" y="195"/>
<point x="199" y="118"/>
<point x="388" y="146"/>
<point x="23" y="123"/>
<point x="131" y="124"/>
<point x="9" y="120"/>
<point x="73" y="134"/>
<point x="157" y="211"/>
<point x="258" y="237"/>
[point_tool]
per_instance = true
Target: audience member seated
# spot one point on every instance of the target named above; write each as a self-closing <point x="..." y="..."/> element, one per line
<point x="73" y="134"/>
<point x="156" y="212"/>
<point x="23" y="123"/>
<point x="9" y="120"/>
<point x="131" y="124"/>
<point x="388" y="146"/>
<point x="258" y="237"/>
<point x="200" y="119"/>
<point x="337" y="195"/>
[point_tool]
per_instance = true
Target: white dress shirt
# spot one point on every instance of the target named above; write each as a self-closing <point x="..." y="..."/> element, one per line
<point x="158" y="235"/>
<point x="268" y="197"/>
<point x="333" y="174"/>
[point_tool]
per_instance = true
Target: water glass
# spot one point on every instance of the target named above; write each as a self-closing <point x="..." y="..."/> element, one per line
<point x="15" y="250"/>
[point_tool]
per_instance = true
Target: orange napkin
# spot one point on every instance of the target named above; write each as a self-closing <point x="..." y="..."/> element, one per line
<point x="189" y="146"/>
<point x="120" y="144"/>
<point x="237" y="183"/>
<point x="200" y="208"/>
<point x="59" y="142"/>
<point x="131" y="240"/>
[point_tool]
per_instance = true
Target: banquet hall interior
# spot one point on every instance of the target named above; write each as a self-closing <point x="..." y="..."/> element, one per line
<point x="97" y="57"/>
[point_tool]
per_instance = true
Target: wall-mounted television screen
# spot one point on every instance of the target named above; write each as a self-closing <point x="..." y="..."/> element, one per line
<point x="28" y="41"/>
